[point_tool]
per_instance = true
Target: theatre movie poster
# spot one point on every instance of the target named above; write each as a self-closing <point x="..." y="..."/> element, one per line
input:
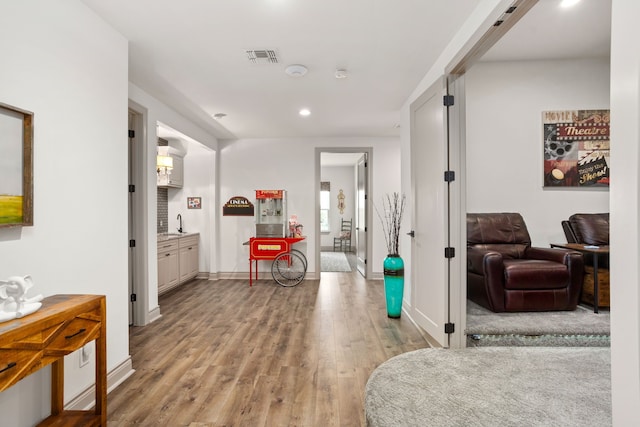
<point x="576" y="148"/>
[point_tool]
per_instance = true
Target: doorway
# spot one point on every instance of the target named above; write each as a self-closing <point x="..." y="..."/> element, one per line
<point x="507" y="56"/>
<point x="345" y="176"/>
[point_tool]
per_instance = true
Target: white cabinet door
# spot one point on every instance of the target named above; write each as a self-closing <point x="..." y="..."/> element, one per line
<point x="168" y="270"/>
<point x="188" y="262"/>
<point x="168" y="265"/>
<point x="176" y="178"/>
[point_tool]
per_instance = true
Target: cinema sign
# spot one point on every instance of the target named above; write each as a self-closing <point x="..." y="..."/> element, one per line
<point x="238" y="206"/>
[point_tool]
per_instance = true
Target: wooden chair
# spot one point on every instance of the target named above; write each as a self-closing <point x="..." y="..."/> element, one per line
<point x="343" y="242"/>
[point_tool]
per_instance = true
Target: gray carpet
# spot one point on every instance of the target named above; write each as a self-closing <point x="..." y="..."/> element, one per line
<point x="334" y="261"/>
<point x="581" y="327"/>
<point x="492" y="386"/>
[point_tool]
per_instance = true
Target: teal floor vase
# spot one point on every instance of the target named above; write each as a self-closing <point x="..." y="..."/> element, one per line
<point x="393" y="284"/>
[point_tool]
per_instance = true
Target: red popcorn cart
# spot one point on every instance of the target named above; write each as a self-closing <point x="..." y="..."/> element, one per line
<point x="273" y="240"/>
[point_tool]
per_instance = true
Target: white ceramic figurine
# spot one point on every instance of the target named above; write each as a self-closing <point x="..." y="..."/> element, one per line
<point x="13" y="301"/>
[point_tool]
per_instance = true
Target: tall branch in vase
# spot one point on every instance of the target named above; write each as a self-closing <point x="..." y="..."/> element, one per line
<point x="391" y="218"/>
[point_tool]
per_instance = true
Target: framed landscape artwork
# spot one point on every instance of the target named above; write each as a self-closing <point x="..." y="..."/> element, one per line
<point x="576" y="148"/>
<point x="16" y="164"/>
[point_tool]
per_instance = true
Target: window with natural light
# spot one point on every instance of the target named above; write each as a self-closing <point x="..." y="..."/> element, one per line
<point x="325" y="197"/>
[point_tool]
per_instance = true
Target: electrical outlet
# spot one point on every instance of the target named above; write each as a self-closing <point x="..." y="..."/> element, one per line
<point x="85" y="354"/>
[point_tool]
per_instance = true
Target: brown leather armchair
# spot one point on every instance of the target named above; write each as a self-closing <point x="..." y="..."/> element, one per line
<point x="504" y="273"/>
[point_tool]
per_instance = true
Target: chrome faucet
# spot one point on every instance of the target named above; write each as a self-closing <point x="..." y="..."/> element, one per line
<point x="180" y="219"/>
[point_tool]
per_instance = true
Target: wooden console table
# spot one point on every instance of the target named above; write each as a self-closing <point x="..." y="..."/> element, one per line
<point x="63" y="324"/>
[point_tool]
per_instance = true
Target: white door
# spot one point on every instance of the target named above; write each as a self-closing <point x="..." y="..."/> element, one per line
<point x="429" y="271"/>
<point x="361" y="216"/>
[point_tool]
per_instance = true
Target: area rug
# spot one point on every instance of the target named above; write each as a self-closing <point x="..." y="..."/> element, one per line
<point x="581" y="327"/>
<point x="492" y="386"/>
<point x="334" y="261"/>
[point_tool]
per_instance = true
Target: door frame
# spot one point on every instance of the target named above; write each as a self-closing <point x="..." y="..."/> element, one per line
<point x="509" y="12"/>
<point x="361" y="182"/>
<point x="140" y="220"/>
<point x="368" y="207"/>
<point x="457" y="212"/>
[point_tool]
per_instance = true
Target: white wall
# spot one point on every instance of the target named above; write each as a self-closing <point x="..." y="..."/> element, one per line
<point x="625" y="215"/>
<point x="341" y="178"/>
<point x="250" y="164"/>
<point x="66" y="65"/>
<point x="199" y="181"/>
<point x="505" y="101"/>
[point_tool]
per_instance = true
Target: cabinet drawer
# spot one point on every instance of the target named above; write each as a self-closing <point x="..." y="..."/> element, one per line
<point x="168" y="246"/>
<point x="188" y="241"/>
<point x="16" y="364"/>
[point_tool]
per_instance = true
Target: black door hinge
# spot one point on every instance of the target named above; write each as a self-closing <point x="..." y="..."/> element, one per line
<point x="132" y="188"/>
<point x="133" y="298"/>
<point x="447" y="100"/>
<point x="449" y="328"/>
<point x="132" y="134"/>
<point x="449" y="176"/>
<point x="449" y="252"/>
<point x="132" y="243"/>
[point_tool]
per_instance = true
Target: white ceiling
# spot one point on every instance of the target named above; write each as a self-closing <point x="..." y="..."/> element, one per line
<point x="190" y="54"/>
<point x="549" y="31"/>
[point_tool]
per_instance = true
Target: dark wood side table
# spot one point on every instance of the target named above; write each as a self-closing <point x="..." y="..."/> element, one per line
<point x="63" y="324"/>
<point x="594" y="251"/>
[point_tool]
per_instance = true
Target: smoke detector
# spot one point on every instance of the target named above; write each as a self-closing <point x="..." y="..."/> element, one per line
<point x="296" y="70"/>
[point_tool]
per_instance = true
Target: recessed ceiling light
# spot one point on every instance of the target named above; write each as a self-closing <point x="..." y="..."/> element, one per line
<point x="569" y="3"/>
<point x="296" y="70"/>
<point x="219" y="115"/>
<point x="304" y="112"/>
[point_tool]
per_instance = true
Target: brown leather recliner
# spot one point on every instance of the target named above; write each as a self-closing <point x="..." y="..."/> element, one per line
<point x="504" y="273"/>
<point x="587" y="228"/>
<point x="591" y="229"/>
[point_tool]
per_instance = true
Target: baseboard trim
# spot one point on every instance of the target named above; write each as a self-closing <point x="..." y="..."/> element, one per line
<point x="263" y="275"/>
<point x="87" y="398"/>
<point x="234" y="275"/>
<point x="154" y="314"/>
<point x="406" y="309"/>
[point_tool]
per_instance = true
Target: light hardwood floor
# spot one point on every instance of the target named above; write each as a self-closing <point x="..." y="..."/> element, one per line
<point x="225" y="354"/>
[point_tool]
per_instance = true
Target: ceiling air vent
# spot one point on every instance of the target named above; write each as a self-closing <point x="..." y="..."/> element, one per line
<point x="263" y="56"/>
